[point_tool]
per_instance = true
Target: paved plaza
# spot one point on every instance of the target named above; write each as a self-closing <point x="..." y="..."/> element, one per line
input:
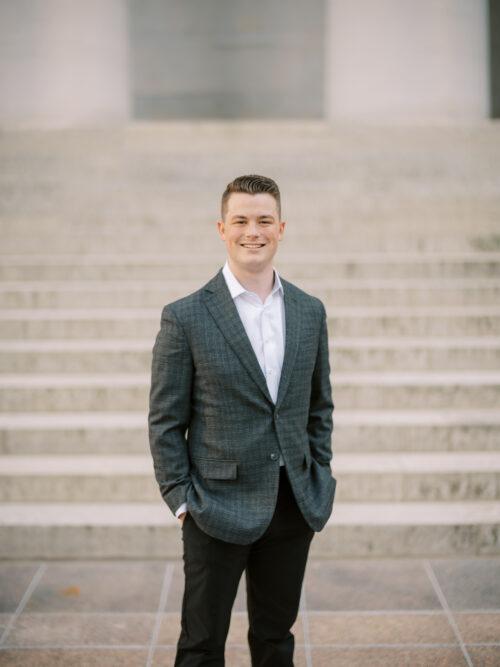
<point x="416" y="612"/>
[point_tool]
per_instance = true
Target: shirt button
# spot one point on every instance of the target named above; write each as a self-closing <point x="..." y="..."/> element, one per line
<point x="273" y="456"/>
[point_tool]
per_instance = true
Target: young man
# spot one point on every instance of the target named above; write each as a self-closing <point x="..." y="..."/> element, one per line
<point x="242" y="366"/>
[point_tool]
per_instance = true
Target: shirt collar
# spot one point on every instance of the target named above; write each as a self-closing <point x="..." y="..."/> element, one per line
<point x="236" y="288"/>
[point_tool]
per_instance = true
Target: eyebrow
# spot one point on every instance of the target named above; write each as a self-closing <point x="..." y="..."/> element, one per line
<point x="244" y="217"/>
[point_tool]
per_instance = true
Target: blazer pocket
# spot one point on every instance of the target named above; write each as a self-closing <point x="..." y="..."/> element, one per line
<point x="217" y="468"/>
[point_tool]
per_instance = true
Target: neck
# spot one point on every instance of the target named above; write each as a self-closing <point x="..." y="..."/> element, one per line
<point x="260" y="282"/>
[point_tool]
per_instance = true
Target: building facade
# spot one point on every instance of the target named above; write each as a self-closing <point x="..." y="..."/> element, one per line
<point x="71" y="62"/>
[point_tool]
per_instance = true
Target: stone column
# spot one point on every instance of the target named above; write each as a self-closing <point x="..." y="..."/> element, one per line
<point x="63" y="62"/>
<point x="411" y="60"/>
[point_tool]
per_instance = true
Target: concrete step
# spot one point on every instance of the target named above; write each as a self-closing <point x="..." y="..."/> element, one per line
<point x="150" y="141"/>
<point x="335" y="292"/>
<point x="315" y="211"/>
<point x="343" y="321"/>
<point x="416" y="159"/>
<point x="108" y="433"/>
<point x="349" y="177"/>
<point x="372" y="238"/>
<point x="149" y="530"/>
<point x="189" y="265"/>
<point x="134" y="356"/>
<point x="404" y="251"/>
<point x="130" y="391"/>
<point x="378" y="477"/>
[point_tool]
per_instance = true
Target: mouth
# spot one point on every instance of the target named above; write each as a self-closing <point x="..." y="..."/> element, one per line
<point x="253" y="246"/>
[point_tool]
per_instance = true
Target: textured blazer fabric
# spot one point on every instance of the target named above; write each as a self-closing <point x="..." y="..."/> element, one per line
<point x="214" y="431"/>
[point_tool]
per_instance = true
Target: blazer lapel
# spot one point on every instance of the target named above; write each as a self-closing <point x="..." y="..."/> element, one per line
<point x="220" y="303"/>
<point x="293" y="324"/>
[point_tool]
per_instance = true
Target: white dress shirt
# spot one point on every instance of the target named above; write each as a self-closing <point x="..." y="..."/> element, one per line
<point x="264" y="323"/>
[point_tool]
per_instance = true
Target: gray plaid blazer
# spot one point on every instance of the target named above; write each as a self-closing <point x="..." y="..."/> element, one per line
<point x="215" y="433"/>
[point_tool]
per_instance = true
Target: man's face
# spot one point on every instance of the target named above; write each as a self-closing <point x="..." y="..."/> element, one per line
<point x="251" y="220"/>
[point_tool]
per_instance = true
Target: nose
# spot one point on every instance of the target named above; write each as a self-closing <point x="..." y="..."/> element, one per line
<point x="252" y="231"/>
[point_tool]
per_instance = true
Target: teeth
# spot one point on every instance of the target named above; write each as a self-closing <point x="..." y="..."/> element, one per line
<point x="252" y="245"/>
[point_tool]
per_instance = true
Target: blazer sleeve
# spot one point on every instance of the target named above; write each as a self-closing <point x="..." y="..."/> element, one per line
<point x="320" y="423"/>
<point x="170" y="409"/>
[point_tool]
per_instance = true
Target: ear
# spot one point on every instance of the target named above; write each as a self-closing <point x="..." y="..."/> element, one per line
<point x="221" y="229"/>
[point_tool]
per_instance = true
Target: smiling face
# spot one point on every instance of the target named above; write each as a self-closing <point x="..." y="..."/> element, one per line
<point x="252" y="230"/>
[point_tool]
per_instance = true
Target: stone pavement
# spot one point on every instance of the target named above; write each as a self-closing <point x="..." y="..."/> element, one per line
<point x="387" y="612"/>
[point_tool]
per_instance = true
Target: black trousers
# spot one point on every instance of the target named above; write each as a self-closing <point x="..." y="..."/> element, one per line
<point x="274" y="567"/>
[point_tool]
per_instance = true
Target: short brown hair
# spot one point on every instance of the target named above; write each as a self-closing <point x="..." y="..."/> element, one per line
<point x="251" y="184"/>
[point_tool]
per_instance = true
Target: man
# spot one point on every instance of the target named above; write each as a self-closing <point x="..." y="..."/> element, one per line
<point x="242" y="366"/>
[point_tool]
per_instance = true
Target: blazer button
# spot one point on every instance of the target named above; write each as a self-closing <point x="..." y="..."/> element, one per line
<point x="273" y="456"/>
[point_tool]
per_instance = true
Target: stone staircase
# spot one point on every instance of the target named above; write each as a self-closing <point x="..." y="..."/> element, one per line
<point x="395" y="229"/>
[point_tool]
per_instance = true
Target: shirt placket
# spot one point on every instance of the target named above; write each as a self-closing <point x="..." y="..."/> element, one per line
<point x="269" y="348"/>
